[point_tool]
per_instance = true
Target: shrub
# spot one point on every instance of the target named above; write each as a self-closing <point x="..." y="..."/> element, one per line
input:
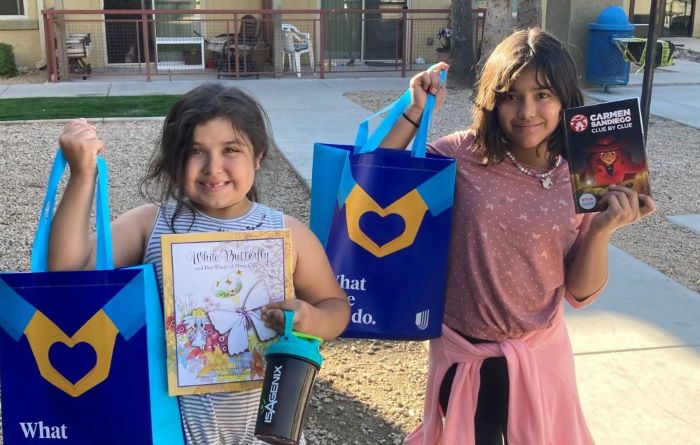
<point x="7" y="60"/>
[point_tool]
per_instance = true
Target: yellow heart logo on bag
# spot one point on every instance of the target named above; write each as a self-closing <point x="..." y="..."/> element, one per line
<point x="99" y="332"/>
<point x="410" y="207"/>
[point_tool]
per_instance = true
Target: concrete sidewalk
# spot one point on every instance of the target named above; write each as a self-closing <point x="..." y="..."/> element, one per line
<point x="676" y="93"/>
<point x="637" y="348"/>
<point x="637" y="352"/>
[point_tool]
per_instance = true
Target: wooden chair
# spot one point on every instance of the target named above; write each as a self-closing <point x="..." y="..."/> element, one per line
<point x="223" y="47"/>
<point x="77" y="51"/>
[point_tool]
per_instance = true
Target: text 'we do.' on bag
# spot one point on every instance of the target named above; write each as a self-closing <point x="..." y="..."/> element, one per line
<point x="82" y="354"/>
<point x="384" y="219"/>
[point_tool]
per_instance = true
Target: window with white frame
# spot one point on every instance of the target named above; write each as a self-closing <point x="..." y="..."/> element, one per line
<point x="12" y="8"/>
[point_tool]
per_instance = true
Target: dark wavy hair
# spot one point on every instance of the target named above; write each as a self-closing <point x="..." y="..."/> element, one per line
<point x="523" y="49"/>
<point x="164" y="179"/>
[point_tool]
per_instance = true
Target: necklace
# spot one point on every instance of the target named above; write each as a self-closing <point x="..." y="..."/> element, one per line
<point x="544" y="177"/>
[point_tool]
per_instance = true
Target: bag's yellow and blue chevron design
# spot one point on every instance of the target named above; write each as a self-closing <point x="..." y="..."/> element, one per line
<point x="124" y="314"/>
<point x="384" y="219"/>
<point x="434" y="195"/>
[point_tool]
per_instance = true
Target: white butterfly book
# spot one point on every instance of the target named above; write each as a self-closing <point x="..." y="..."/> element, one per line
<point x="214" y="286"/>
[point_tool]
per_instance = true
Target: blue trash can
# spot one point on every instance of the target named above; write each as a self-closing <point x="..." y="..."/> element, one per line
<point x="605" y="65"/>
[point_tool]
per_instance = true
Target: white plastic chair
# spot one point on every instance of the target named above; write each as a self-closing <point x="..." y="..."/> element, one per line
<point x="296" y="43"/>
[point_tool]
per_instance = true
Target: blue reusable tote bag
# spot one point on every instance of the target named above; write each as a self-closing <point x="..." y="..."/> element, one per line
<point x="384" y="219"/>
<point x="82" y="354"/>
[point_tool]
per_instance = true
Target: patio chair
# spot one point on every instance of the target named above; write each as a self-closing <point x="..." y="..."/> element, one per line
<point x="223" y="46"/>
<point x="296" y="43"/>
<point x="77" y="51"/>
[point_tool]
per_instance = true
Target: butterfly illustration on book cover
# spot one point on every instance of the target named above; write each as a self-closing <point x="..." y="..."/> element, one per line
<point x="245" y="314"/>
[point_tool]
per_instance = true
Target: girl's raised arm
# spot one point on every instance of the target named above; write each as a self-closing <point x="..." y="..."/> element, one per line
<point x="71" y="245"/>
<point x="422" y="83"/>
<point x="321" y="307"/>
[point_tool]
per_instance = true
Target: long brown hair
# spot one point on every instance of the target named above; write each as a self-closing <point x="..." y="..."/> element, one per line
<point x="523" y="49"/>
<point x="166" y="171"/>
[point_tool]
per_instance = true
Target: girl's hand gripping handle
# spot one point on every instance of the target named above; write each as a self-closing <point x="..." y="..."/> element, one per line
<point x="429" y="81"/>
<point x="40" y="250"/>
<point x="425" y="94"/>
<point x="80" y="146"/>
<point x="394" y="111"/>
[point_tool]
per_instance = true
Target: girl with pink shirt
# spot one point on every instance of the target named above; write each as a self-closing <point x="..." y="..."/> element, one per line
<point x="503" y="371"/>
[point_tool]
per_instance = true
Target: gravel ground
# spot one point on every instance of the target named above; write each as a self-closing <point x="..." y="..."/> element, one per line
<point x="31" y="76"/>
<point x="368" y="392"/>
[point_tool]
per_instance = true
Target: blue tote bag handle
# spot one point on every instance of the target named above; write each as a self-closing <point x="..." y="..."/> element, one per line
<point x="40" y="249"/>
<point x="363" y="144"/>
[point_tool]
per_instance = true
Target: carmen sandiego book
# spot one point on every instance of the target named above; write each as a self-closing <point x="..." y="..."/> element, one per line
<point x="604" y="145"/>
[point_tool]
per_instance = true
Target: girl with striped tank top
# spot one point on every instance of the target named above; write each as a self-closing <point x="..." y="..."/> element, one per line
<point x="200" y="179"/>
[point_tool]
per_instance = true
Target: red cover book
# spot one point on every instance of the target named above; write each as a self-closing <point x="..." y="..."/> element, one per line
<point x="604" y="145"/>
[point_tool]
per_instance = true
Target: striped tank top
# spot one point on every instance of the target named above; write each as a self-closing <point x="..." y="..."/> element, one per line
<point x="221" y="418"/>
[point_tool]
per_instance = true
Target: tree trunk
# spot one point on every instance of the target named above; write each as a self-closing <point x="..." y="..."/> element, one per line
<point x="462" y="49"/>
<point x="498" y="25"/>
<point x="529" y="13"/>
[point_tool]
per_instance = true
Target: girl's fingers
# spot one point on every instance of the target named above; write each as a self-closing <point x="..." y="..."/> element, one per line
<point x="436" y="70"/>
<point x="634" y="205"/>
<point x="426" y="80"/>
<point x="272" y="316"/>
<point x="440" y="66"/>
<point x="77" y="123"/>
<point x="648" y="205"/>
<point x="417" y="80"/>
<point x="430" y="80"/>
<point x="435" y="82"/>
<point x="624" y="201"/>
<point x="613" y="202"/>
<point x="276" y="315"/>
<point x="632" y="199"/>
<point x="78" y="129"/>
<point x="86" y="132"/>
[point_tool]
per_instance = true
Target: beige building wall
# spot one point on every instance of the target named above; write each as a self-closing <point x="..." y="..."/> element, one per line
<point x="23" y="34"/>
<point x="423" y="31"/>
<point x="212" y="24"/>
<point x="301" y="4"/>
<point x="305" y="22"/>
<point x="429" y="4"/>
<point x="229" y="4"/>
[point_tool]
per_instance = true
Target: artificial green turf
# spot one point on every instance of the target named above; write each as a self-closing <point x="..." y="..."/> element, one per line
<point x="88" y="107"/>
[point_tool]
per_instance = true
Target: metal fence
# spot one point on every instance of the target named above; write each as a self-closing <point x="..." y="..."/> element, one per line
<point x="145" y="44"/>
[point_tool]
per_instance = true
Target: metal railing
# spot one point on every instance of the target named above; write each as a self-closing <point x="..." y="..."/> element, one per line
<point x="243" y="43"/>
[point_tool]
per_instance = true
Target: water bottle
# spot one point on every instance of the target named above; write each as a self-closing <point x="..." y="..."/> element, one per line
<point x="292" y="364"/>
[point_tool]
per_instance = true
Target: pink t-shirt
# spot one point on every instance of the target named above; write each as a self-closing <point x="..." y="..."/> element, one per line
<point x="510" y="241"/>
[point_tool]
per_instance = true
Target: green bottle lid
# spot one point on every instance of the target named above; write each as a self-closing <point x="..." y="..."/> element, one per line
<point x="296" y="344"/>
